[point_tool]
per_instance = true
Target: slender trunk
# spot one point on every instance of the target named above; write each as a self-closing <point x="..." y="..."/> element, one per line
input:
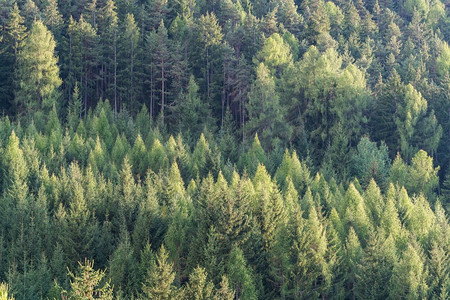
<point x="162" y="91"/>
<point x="85" y="82"/>
<point x="70" y="65"/>
<point x="223" y="95"/>
<point x="207" y="73"/>
<point x="132" y="74"/>
<point x="115" y="76"/>
<point x="151" y="91"/>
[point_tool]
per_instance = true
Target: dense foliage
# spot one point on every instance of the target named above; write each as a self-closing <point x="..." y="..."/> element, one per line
<point x="154" y="149"/>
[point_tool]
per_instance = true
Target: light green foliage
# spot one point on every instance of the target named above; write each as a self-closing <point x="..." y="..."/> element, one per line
<point x="37" y="73"/>
<point x="198" y="288"/>
<point x="423" y="175"/>
<point x="443" y="61"/>
<point x="408" y="278"/>
<point x="4" y="290"/>
<point x="158" y="284"/>
<point x="87" y="283"/>
<point x="336" y="97"/>
<point x="254" y="156"/>
<point x="275" y="151"/>
<point x="298" y="172"/>
<point x="265" y="112"/>
<point x="240" y="276"/>
<point x="275" y="54"/>
<point x="409" y="112"/>
<point x="376" y="268"/>
<point x="419" y="177"/>
<point x="356" y="213"/>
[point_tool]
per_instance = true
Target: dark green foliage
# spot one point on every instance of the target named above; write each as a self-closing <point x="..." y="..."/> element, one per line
<point x="224" y="149"/>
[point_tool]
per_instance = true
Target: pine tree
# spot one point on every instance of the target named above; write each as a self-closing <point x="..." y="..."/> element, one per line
<point x="16" y="30"/>
<point x="31" y="12"/>
<point x="210" y="35"/>
<point x="224" y="293"/>
<point x="254" y="157"/>
<point x="162" y="63"/>
<point x="108" y="29"/>
<point x="52" y="18"/>
<point x="266" y="115"/>
<point x="37" y="72"/>
<point x="128" y="63"/>
<point x="74" y="110"/>
<point x="439" y="272"/>
<point x="82" y="58"/>
<point x="375" y="270"/>
<point x="193" y="115"/>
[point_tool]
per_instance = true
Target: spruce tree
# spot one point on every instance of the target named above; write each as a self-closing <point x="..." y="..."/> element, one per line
<point x="87" y="284"/>
<point x="159" y="281"/>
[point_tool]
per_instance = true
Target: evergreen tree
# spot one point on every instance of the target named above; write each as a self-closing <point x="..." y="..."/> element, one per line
<point x="266" y="115"/>
<point x="52" y="18"/>
<point x="198" y="288"/>
<point x="37" y="72"/>
<point x="408" y="278"/>
<point x="128" y="63"/>
<point x="158" y="284"/>
<point x="241" y="277"/>
<point x="87" y="283"/>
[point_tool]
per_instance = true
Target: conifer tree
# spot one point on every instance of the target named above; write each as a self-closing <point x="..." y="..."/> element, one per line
<point x="241" y="277"/>
<point x="409" y="276"/>
<point x="198" y="287"/>
<point x="266" y="115"/>
<point x="16" y="30"/>
<point x="224" y="293"/>
<point x="161" y="61"/>
<point x="52" y="18"/>
<point x="37" y="72"/>
<point x="210" y="36"/>
<point x="193" y="115"/>
<point x="87" y="284"/>
<point x="158" y="284"/>
<point x="375" y="269"/>
<point x="129" y="63"/>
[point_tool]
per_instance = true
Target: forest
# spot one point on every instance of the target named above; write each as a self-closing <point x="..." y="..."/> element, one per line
<point x="224" y="149"/>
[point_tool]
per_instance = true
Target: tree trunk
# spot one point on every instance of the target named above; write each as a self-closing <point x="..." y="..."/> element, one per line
<point x="162" y="91"/>
<point x="115" y="76"/>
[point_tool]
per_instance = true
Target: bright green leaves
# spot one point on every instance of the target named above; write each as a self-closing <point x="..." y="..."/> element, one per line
<point x="275" y="54"/>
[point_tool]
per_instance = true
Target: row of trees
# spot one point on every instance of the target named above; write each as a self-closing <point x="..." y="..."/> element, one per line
<point x="313" y="75"/>
<point x="169" y="222"/>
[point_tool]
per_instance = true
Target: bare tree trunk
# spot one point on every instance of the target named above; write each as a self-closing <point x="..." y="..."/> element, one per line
<point x="115" y="75"/>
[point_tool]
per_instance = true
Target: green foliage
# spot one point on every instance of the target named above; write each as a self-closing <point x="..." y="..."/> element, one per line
<point x="88" y="283"/>
<point x="131" y="127"/>
<point x="241" y="277"/>
<point x="371" y="162"/>
<point x="158" y="284"/>
<point x="265" y="112"/>
<point x="37" y="71"/>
